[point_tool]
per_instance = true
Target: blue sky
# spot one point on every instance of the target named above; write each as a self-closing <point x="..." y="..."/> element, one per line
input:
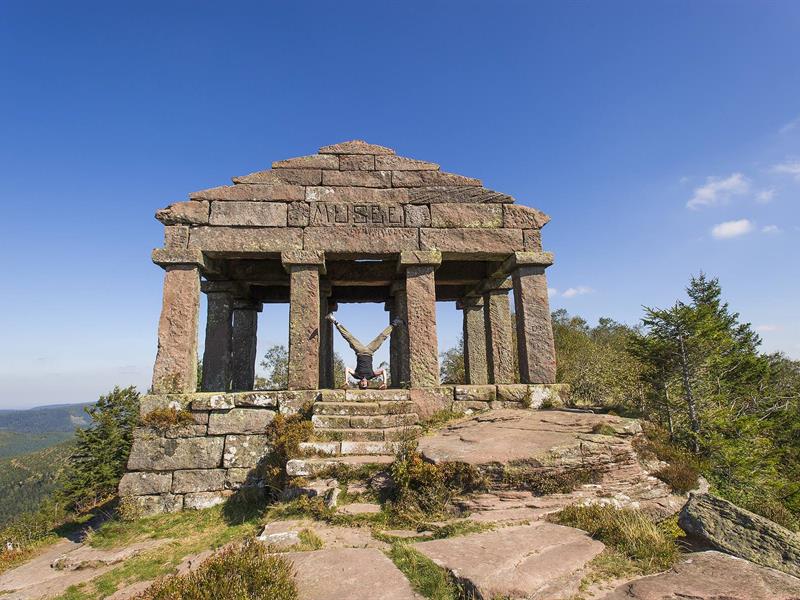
<point x="663" y="138"/>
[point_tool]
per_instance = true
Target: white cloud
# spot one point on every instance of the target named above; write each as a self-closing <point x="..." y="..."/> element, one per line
<point x="789" y="126"/>
<point x="580" y="290"/>
<point x="683" y="180"/>
<point x="765" y="196"/>
<point x="718" y="191"/>
<point x="767" y="327"/>
<point x="731" y="229"/>
<point x="788" y="168"/>
<point x="770" y="229"/>
<point x="552" y="292"/>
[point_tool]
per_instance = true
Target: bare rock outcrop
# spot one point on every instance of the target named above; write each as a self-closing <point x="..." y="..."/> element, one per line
<point x="711" y="576"/>
<point x="736" y="531"/>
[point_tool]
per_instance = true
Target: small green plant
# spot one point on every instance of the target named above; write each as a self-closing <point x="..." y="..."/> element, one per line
<point x="604" y="429"/>
<point x="236" y="573"/>
<point x="439" y="419"/>
<point x="164" y="419"/>
<point x="520" y="475"/>
<point x="425" y="576"/>
<point x="423" y="490"/>
<point x="682" y="471"/>
<point x="652" y="547"/>
<point x="285" y="434"/>
<point x="681" y="477"/>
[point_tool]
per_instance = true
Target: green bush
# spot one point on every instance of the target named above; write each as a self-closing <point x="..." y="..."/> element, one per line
<point x="630" y="532"/>
<point x="167" y="418"/>
<point x="285" y="434"/>
<point x="240" y="572"/>
<point x="425" y="576"/>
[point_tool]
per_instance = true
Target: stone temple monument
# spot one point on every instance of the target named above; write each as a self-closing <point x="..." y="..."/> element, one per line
<point x="352" y="223"/>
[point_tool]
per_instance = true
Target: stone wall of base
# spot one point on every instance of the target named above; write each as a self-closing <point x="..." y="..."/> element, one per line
<point x="217" y="455"/>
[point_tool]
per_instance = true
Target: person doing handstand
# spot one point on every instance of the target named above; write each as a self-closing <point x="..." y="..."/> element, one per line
<point x="364" y="370"/>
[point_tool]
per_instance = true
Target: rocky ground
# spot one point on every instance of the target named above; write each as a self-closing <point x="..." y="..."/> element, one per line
<point x="497" y="543"/>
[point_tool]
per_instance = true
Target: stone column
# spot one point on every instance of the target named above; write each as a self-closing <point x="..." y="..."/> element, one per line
<point x="219" y="330"/>
<point x="398" y="343"/>
<point x="175" y="369"/>
<point x="304" y="267"/>
<point x="536" y="350"/>
<point x="423" y="343"/>
<point x="474" y="335"/>
<point x="325" y="337"/>
<point x="500" y="344"/>
<point x="243" y="344"/>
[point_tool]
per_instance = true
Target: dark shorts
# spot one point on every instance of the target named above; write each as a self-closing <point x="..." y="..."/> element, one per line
<point x="365" y="374"/>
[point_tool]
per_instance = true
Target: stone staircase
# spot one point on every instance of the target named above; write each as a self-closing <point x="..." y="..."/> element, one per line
<point x="356" y="427"/>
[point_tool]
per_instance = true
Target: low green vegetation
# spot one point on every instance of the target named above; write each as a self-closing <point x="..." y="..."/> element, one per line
<point x="649" y="546"/>
<point x="425" y="576"/>
<point x="286" y="433"/>
<point x="17" y="443"/>
<point x="164" y="419"/>
<point x="240" y="572"/>
<point x="521" y="475"/>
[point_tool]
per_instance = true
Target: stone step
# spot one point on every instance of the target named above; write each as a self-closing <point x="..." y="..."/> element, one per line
<point x="355" y="395"/>
<point x="389" y="407"/>
<point x="346" y="448"/>
<point x="389" y="434"/>
<point x="311" y="467"/>
<point x="363" y="422"/>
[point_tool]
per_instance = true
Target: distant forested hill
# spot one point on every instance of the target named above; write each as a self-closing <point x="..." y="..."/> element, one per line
<point x="27" y="479"/>
<point x="63" y="417"/>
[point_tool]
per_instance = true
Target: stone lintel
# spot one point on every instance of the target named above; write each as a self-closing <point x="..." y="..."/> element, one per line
<point x="419" y="257"/>
<point x="527" y="259"/>
<point x="247" y="304"/>
<point x="303" y="258"/>
<point x="164" y="257"/>
<point x="221" y="287"/>
<point x="501" y="288"/>
<point x="469" y="302"/>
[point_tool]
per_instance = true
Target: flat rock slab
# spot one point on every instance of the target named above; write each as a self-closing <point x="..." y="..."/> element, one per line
<point x="712" y="576"/>
<point x="542" y="560"/>
<point x="506" y="435"/>
<point x="332" y="536"/>
<point x="349" y="573"/>
<point x="86" y="557"/>
<point x="360" y="508"/>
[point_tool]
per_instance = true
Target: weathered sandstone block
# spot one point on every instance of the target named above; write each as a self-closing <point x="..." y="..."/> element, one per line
<point x="402" y="163"/>
<point x="252" y="192"/>
<point x="418" y="215"/>
<point x="517" y="216"/>
<point x="471" y="242"/>
<point x="176" y="237"/>
<point x="363" y="240"/>
<point x="431" y="178"/>
<point x="357" y="162"/>
<point x="421" y="325"/>
<point x="246" y="239"/>
<point x="313" y="161"/>
<point x="476" y="393"/>
<point x="336" y="214"/>
<point x="142" y="484"/>
<point x="466" y="215"/>
<point x="436" y="194"/>
<point x="300" y="176"/>
<point x="535" y="343"/>
<point x="240" y="420"/>
<point x="156" y="505"/>
<point x="191" y="213"/>
<point x="198" y="480"/>
<point x="260" y="214"/>
<point x="244" y="450"/>
<point x="202" y="500"/>
<point x="161" y="454"/>
<point x="356" y="195"/>
<point x="430" y="400"/>
<point x="372" y="179"/>
<point x="297" y="214"/>
<point x="304" y="321"/>
<point x="355" y="147"/>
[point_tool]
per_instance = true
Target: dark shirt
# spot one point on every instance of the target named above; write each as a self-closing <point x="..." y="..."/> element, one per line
<point x="364" y="368"/>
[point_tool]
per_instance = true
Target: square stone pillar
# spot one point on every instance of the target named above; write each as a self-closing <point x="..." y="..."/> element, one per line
<point x="476" y="365"/>
<point x="398" y="342"/>
<point x="243" y="344"/>
<point x="500" y="343"/>
<point x="536" y="350"/>
<point x="175" y="369"/>
<point x="304" y="267"/>
<point x="219" y="332"/>
<point x="325" y="337"/>
<point x="423" y="345"/>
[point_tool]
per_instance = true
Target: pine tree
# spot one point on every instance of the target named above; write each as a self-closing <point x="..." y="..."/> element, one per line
<point x="102" y="449"/>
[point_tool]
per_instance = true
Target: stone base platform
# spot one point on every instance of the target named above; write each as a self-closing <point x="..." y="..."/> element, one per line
<point x="204" y="462"/>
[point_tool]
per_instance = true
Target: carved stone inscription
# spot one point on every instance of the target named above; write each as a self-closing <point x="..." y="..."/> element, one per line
<point x="331" y="214"/>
